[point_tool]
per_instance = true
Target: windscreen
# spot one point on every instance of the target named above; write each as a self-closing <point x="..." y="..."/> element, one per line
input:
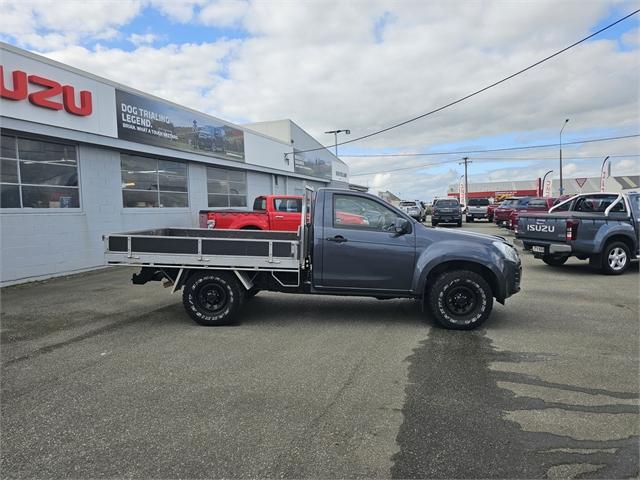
<point x="510" y="202"/>
<point x="407" y="204"/>
<point x="446" y="203"/>
<point x="538" y="203"/>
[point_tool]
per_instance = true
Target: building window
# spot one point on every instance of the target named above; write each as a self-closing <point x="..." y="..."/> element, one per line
<point x="150" y="182"/>
<point x="38" y="174"/>
<point x="226" y="188"/>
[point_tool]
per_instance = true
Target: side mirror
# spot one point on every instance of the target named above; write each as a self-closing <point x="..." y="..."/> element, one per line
<point x="401" y="225"/>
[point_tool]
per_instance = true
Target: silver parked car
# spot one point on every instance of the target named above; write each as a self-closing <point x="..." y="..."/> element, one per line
<point x="414" y="209"/>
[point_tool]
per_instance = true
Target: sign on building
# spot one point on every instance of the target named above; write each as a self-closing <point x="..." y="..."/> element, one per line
<point x="153" y="122"/>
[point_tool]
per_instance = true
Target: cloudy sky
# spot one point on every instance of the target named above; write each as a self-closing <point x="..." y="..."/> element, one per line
<point x="364" y="65"/>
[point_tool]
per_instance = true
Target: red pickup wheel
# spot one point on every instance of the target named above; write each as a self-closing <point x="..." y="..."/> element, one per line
<point x="460" y="300"/>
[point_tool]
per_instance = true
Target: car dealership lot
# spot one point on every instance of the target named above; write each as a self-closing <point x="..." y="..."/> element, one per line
<point x="101" y="378"/>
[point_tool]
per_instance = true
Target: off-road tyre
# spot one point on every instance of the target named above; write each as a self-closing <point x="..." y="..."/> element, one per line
<point x="434" y="224"/>
<point x="468" y="219"/>
<point x="459" y="224"/>
<point x="213" y="298"/>
<point x="615" y="258"/>
<point x="460" y="300"/>
<point x="555" y="260"/>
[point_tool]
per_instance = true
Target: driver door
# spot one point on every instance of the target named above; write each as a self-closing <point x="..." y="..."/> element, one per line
<point x="361" y="249"/>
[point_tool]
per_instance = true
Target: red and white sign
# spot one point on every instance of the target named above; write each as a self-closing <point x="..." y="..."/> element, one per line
<point x="45" y="93"/>
<point x="39" y="91"/>
<point x="581" y="181"/>
<point x="461" y="190"/>
<point x="546" y="188"/>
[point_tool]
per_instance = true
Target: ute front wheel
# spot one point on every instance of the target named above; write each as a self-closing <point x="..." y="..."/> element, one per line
<point x="212" y="298"/>
<point x="460" y="300"/>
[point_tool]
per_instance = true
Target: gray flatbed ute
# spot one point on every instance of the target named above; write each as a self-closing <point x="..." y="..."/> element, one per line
<point x="600" y="227"/>
<point x="348" y="243"/>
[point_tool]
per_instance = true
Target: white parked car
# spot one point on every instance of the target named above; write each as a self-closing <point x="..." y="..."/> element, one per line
<point x="414" y="209"/>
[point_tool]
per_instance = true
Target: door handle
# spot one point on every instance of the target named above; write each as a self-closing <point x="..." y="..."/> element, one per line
<point x="279" y="217"/>
<point x="337" y="239"/>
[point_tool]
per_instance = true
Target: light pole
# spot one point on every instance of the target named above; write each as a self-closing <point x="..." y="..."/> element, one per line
<point x="335" y="133"/>
<point x="544" y="179"/>
<point x="561" y="185"/>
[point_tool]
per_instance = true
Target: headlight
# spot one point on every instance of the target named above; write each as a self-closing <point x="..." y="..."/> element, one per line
<point x="508" y="251"/>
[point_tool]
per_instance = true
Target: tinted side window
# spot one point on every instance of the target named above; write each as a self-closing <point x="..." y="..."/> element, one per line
<point x="260" y="203"/>
<point x="291" y="205"/>
<point x="362" y="213"/>
<point x="596" y="203"/>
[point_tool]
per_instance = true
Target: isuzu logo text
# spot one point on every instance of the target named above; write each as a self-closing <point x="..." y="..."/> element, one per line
<point x="541" y="228"/>
<point x="46" y="94"/>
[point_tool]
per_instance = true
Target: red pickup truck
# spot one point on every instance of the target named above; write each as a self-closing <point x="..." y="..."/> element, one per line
<point x="270" y="212"/>
<point x="537" y="204"/>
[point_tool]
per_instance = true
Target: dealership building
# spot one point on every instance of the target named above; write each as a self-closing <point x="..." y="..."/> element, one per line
<point x="83" y="156"/>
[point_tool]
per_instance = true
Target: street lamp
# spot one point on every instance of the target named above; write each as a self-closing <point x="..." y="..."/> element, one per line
<point x="335" y="133"/>
<point x="561" y="185"/>
<point x="544" y="179"/>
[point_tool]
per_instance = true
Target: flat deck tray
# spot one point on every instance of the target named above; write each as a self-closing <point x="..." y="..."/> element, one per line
<point x="203" y="242"/>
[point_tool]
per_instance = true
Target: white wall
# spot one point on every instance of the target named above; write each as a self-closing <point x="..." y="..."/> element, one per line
<point x="280" y="129"/>
<point x="52" y="243"/>
<point x="257" y="184"/>
<point x="266" y="152"/>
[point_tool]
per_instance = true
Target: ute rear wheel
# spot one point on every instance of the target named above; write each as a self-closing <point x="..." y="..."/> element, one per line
<point x="212" y="298"/>
<point x="460" y="300"/>
<point x="615" y="258"/>
<point x="555" y="260"/>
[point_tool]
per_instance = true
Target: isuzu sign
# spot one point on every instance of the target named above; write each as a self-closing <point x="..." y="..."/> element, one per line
<point x="46" y="93"/>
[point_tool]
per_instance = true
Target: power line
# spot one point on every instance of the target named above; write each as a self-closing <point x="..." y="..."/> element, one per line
<point x="535" y="159"/>
<point x="528" y="147"/>
<point x="450" y="104"/>
<point x="496" y="158"/>
<point x="480" y="159"/>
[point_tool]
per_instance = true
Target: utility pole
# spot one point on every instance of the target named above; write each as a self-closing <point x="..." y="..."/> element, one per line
<point x="466" y="161"/>
<point x="561" y="184"/>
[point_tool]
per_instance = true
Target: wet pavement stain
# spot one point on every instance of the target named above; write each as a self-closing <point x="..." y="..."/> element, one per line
<point x="455" y="419"/>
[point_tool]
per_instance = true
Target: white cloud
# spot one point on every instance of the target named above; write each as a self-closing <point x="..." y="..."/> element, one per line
<point x="47" y="24"/>
<point x="323" y="65"/>
<point x="144" y="38"/>
<point x="174" y="72"/>
<point x="631" y="39"/>
<point x="223" y="13"/>
<point x="179" y="10"/>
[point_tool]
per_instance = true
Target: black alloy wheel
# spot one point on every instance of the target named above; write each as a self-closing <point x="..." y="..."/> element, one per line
<point x="212" y="298"/>
<point x="460" y="300"/>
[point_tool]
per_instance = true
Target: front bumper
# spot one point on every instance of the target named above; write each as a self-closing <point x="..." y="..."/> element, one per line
<point x="513" y="278"/>
<point x="447" y="218"/>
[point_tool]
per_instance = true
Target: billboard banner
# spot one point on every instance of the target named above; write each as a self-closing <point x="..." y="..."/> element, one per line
<point x="310" y="163"/>
<point x="153" y="122"/>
